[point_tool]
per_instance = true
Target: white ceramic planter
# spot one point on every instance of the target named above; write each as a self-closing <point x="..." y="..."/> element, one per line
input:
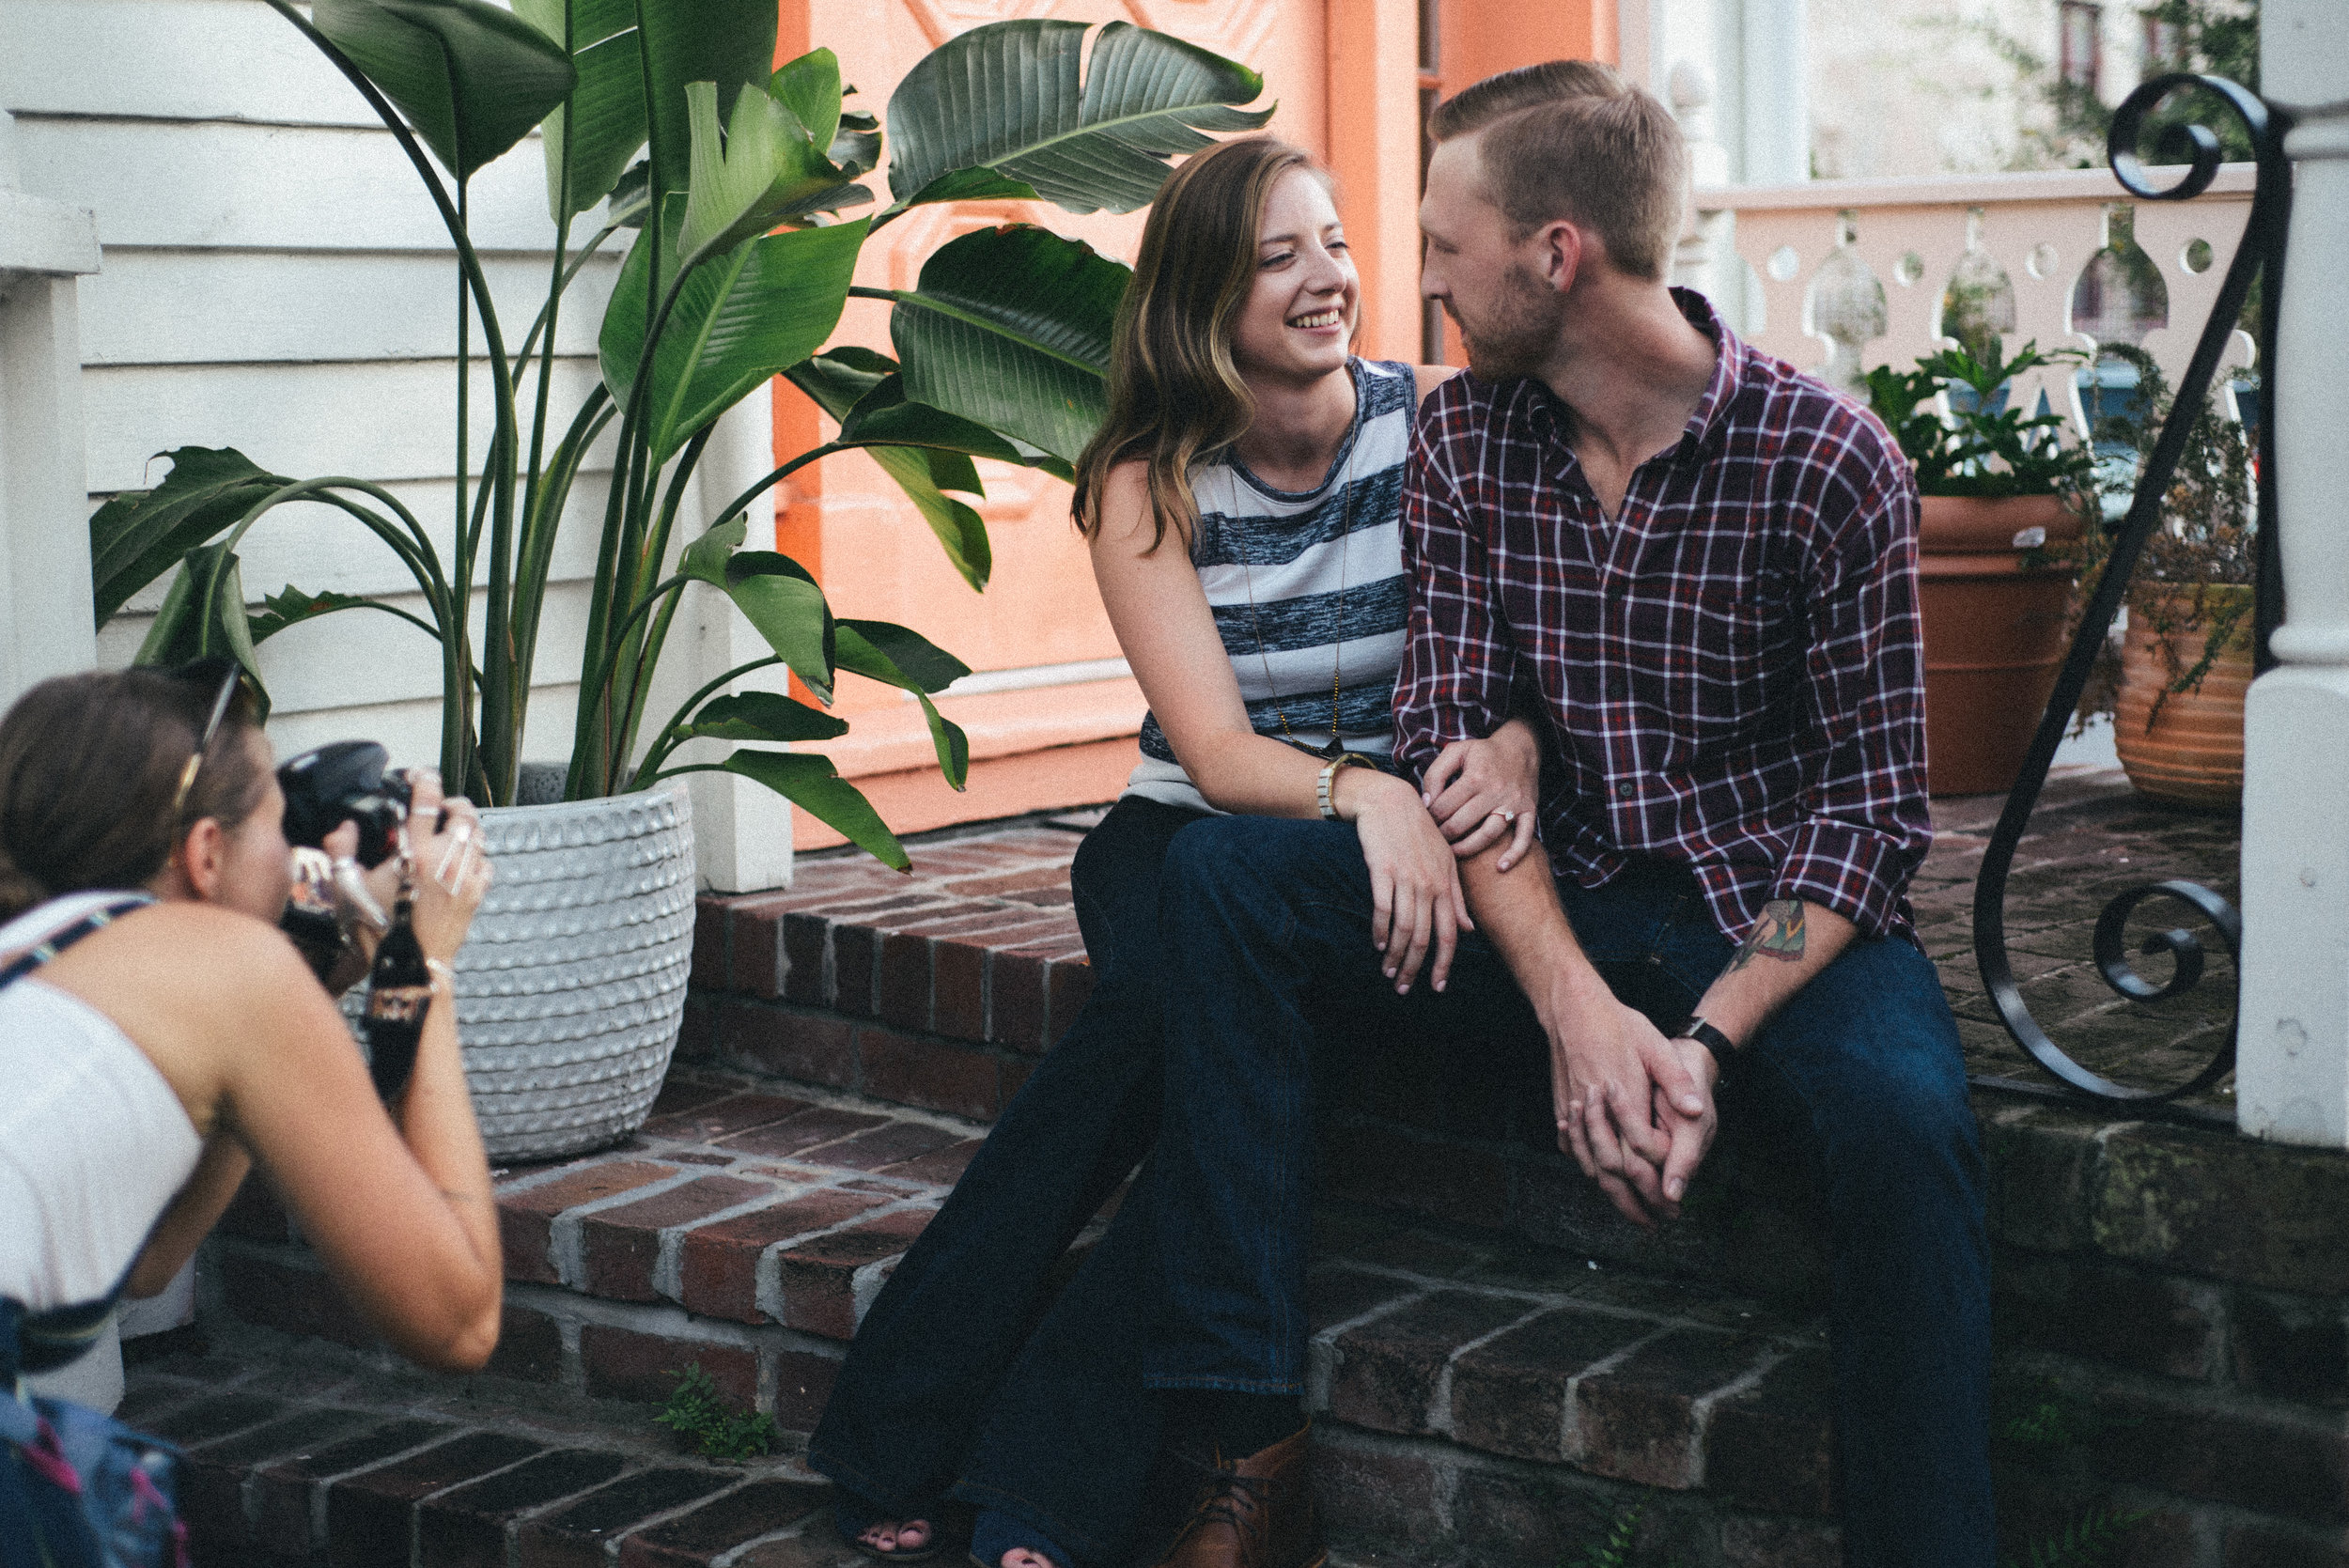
<point x="572" y="986"/>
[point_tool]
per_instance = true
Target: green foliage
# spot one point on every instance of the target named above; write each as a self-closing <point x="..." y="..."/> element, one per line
<point x="2195" y="572"/>
<point x="2212" y="37"/>
<point x="702" y="1421"/>
<point x="1096" y="144"/>
<point x="2088" y="1542"/>
<point x="732" y="173"/>
<point x="1975" y="449"/>
<point x="470" y="80"/>
<point x="2035" y="1418"/>
<point x="1613" y="1548"/>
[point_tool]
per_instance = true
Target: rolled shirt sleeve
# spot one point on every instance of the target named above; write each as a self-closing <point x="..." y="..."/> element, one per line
<point x="1865" y="824"/>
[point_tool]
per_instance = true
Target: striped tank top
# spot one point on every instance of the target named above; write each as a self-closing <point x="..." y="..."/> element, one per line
<point x="1324" y="568"/>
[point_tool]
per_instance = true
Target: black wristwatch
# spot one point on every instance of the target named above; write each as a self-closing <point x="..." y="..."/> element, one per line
<point x="1712" y="1039"/>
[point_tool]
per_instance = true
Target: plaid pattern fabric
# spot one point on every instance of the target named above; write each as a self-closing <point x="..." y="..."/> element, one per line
<point x="1732" y="669"/>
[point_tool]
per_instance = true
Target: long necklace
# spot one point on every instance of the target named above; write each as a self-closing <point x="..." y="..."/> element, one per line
<point x="1336" y="746"/>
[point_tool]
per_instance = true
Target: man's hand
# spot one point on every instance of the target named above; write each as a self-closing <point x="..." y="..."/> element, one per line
<point x="1633" y="1108"/>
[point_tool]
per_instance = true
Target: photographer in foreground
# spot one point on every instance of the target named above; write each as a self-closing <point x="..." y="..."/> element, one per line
<point x="175" y="1037"/>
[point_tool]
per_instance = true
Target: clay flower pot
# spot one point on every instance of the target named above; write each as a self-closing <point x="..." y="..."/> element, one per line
<point x="1994" y="619"/>
<point x="2192" y="754"/>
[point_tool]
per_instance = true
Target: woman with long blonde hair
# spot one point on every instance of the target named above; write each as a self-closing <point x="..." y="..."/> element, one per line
<point x="1241" y="502"/>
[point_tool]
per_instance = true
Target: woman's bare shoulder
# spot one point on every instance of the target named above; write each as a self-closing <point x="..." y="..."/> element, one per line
<point x="197" y="955"/>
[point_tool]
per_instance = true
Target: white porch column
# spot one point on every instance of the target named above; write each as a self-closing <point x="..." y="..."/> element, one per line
<point x="1776" y="103"/>
<point x="2292" y="1080"/>
<point x="741" y="831"/>
<point x="45" y="625"/>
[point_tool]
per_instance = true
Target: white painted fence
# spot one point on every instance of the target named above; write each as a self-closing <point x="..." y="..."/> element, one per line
<point x="1840" y="276"/>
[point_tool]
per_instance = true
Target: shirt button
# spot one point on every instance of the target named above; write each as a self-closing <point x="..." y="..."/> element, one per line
<point x="1623" y="792"/>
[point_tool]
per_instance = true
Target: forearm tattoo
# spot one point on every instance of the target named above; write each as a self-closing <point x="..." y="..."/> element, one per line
<point x="1778" y="933"/>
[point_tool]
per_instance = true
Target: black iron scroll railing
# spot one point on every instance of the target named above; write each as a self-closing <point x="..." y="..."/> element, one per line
<point x="2259" y="256"/>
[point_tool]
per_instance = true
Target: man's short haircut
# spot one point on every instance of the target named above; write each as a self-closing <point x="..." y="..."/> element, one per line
<point x="1572" y="139"/>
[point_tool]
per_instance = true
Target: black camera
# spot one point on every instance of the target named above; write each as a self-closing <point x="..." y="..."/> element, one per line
<point x="345" y="782"/>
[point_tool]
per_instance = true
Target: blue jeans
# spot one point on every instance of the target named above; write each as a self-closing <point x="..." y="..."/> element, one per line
<point x="1265" y="927"/>
<point x="953" y="1381"/>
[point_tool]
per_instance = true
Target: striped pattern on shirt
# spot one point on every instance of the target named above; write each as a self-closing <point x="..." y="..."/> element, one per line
<point x="1325" y="570"/>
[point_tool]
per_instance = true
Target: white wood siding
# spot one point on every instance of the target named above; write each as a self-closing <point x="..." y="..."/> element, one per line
<point x="276" y="280"/>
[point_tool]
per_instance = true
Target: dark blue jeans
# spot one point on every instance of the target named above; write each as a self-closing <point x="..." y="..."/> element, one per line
<point x="967" y="1374"/>
<point x="1265" y="927"/>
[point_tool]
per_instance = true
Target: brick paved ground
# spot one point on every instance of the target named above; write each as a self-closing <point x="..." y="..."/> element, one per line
<point x="2089" y="840"/>
<point x="1498" y="1367"/>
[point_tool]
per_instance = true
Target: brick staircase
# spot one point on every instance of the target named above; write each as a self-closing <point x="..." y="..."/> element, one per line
<point x="1500" y="1367"/>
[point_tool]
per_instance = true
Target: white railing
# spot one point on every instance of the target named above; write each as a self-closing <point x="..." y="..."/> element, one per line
<point x="1840" y="276"/>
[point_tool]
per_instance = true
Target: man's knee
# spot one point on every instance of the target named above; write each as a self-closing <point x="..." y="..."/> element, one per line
<point x="1881" y="1055"/>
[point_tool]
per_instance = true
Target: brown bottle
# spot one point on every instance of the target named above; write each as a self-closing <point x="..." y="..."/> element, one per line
<point x="400" y="993"/>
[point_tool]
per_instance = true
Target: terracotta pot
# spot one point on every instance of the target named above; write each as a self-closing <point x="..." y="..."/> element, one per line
<point x="1994" y="632"/>
<point x="2193" y="754"/>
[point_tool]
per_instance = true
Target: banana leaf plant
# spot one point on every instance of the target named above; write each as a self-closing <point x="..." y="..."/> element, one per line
<point x="730" y="182"/>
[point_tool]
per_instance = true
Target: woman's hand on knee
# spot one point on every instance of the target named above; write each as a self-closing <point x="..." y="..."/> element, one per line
<point x="1483" y="792"/>
<point x="1417" y="909"/>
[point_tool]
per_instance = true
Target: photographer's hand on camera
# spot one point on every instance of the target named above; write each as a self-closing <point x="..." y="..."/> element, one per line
<point x="450" y="873"/>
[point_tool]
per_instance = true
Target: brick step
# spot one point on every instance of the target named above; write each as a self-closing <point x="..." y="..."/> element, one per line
<point x="745" y="1230"/>
<point x="1481" y="1399"/>
<point x="295" y="1458"/>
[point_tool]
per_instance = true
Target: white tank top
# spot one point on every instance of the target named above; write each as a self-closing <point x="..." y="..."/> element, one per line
<point x="94" y="1143"/>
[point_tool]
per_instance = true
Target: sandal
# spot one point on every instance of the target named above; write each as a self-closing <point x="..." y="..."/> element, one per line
<point x="853" y="1517"/>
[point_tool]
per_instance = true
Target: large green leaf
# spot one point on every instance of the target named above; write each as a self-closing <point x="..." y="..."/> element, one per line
<point x="1006" y="96"/>
<point x="811" y="781"/>
<point x="900" y="656"/>
<point x="840" y="376"/>
<point x="705" y="559"/>
<point x="185" y="628"/>
<point x="740" y="319"/>
<point x="842" y="379"/>
<point x="767" y="167"/>
<point x="781" y="600"/>
<point x="775" y="594"/>
<point x="607" y="107"/>
<point x="760" y="716"/>
<point x="472" y="79"/>
<point x="137" y="536"/>
<point x="730" y="42"/>
<point x="1010" y="327"/>
<point x="961" y="531"/>
<point x="884" y="416"/>
<point x="289" y="606"/>
<point x="809" y="86"/>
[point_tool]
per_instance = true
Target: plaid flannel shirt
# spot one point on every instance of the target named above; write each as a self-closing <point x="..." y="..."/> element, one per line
<point x="1732" y="669"/>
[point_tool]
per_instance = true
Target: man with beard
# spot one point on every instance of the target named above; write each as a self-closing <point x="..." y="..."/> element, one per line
<point x="1699" y="566"/>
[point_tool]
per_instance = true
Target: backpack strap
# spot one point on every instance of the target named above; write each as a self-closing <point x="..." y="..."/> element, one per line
<point x="57" y="941"/>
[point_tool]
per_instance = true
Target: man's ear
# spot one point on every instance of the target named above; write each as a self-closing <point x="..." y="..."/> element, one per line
<point x="1561" y="260"/>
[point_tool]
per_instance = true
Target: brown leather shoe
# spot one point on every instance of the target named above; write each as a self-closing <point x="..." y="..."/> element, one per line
<point x="1253" y="1512"/>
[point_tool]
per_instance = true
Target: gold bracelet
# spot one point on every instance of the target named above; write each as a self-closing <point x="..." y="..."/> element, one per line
<point x="1328" y="775"/>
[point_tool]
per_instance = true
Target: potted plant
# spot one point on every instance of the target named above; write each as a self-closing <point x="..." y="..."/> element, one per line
<point x="740" y="260"/>
<point x="2185" y="657"/>
<point x="2001" y="505"/>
